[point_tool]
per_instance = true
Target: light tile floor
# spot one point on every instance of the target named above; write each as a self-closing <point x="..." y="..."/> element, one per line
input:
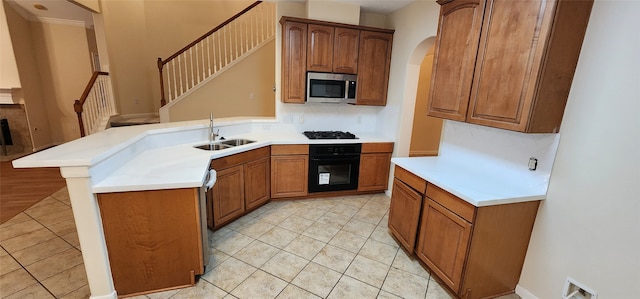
<point x="316" y="248"/>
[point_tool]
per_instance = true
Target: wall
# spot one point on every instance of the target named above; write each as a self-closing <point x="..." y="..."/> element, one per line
<point x="228" y="94"/>
<point x="334" y="11"/>
<point x="9" y="77"/>
<point x="588" y="226"/>
<point x="426" y="131"/>
<point x="137" y="32"/>
<point x="33" y="98"/>
<point x="409" y="48"/>
<point x="64" y="66"/>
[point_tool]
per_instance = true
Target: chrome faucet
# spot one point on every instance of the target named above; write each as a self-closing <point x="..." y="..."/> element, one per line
<point x="212" y="135"/>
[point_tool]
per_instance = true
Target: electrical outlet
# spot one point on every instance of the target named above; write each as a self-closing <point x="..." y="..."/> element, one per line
<point x="575" y="290"/>
<point x="533" y="163"/>
<point x="252" y="96"/>
<point x="136" y="101"/>
<point x="301" y="119"/>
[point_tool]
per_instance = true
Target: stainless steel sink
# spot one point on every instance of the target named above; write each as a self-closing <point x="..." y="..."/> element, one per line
<point x="213" y="146"/>
<point x="237" y="142"/>
<point x="224" y="144"/>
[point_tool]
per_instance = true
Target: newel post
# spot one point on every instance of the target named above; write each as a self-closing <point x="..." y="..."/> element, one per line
<point x="163" y="101"/>
<point x="77" y="107"/>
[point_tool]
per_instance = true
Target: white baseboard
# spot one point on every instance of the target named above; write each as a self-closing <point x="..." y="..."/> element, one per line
<point x="524" y="293"/>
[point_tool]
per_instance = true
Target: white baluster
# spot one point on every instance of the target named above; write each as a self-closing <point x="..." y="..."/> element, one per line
<point x="209" y="54"/>
<point x="175" y="84"/>
<point x="226" y="57"/>
<point x="191" y="65"/>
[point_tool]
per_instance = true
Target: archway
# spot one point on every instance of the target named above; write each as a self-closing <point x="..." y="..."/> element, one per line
<point x="412" y="83"/>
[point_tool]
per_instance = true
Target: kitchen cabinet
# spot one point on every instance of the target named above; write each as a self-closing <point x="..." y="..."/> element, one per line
<point x="404" y="210"/>
<point x="289" y="170"/>
<point x="320" y="48"/>
<point x="294" y="62"/>
<point x="507" y="64"/>
<point x="312" y="45"/>
<point x="153" y="239"/>
<point x="257" y="177"/>
<point x="242" y="184"/>
<point x="332" y="49"/>
<point x="345" y="50"/>
<point x="374" y="62"/>
<point x="375" y="161"/>
<point x="228" y="195"/>
<point x="478" y="252"/>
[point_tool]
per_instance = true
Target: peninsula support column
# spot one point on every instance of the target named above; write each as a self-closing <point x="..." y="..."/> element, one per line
<point x="86" y="214"/>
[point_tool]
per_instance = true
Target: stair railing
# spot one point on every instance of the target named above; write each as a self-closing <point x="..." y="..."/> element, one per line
<point x="96" y="104"/>
<point x="215" y="49"/>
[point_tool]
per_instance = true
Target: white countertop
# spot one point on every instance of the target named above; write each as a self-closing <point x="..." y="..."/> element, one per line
<point x="480" y="186"/>
<point x="159" y="156"/>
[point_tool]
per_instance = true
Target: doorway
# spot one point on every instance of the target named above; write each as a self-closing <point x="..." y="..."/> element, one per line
<point x="426" y="131"/>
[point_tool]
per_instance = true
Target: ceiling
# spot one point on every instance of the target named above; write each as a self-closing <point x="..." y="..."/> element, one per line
<point x="65" y="10"/>
<point x="56" y="9"/>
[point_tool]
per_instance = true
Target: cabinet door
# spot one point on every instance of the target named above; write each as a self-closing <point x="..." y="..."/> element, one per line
<point x="294" y="62"/>
<point x="374" y="60"/>
<point x="257" y="183"/>
<point x="345" y="50"/>
<point x="443" y="242"/>
<point x="289" y="176"/>
<point x="455" y="56"/>
<point x="153" y="238"/>
<point x="320" y="48"/>
<point x="509" y="59"/>
<point x="228" y="195"/>
<point x="374" y="171"/>
<point x="404" y="214"/>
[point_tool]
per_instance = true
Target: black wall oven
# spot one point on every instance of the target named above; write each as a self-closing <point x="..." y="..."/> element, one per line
<point x="334" y="167"/>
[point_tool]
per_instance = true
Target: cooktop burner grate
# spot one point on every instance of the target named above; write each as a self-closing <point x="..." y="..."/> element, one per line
<point x="329" y="135"/>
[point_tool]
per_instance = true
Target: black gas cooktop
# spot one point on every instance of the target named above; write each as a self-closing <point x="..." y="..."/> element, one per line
<point x="329" y="135"/>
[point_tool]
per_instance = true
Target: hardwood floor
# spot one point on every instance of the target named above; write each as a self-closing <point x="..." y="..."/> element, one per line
<point x="21" y="188"/>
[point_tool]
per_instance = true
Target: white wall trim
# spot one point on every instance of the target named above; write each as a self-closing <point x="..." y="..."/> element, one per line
<point x="61" y="21"/>
<point x="524" y="293"/>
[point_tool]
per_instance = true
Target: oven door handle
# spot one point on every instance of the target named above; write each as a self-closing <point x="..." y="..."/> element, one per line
<point x="336" y="158"/>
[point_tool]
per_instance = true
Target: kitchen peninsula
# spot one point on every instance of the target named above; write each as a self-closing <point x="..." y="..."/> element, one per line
<point x="143" y="160"/>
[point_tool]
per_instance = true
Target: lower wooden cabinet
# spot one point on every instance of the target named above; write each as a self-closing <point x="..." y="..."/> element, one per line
<point x="289" y="170"/>
<point x="242" y="184"/>
<point x="478" y="252"/>
<point x="228" y="195"/>
<point x="375" y="161"/>
<point x="153" y="239"/>
<point x="404" y="214"/>
<point x="257" y="178"/>
<point x="444" y="237"/>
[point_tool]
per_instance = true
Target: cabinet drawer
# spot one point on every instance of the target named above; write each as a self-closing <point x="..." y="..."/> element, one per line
<point x="451" y="202"/>
<point x="383" y="147"/>
<point x="290" y="149"/>
<point x="410" y="179"/>
<point x="237" y="159"/>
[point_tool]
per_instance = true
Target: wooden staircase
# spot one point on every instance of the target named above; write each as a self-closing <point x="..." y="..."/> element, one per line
<point x="216" y="51"/>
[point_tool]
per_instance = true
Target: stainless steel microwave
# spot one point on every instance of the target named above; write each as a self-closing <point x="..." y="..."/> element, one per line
<point x="331" y="88"/>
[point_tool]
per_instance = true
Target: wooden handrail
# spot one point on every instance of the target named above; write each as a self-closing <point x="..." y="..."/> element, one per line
<point x="77" y="105"/>
<point x="209" y="33"/>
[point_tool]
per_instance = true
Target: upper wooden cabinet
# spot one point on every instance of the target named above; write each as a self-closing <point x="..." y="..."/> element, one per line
<point x="335" y="48"/>
<point x="374" y="62"/>
<point x="320" y="48"/>
<point x="294" y="62"/>
<point x="345" y="50"/>
<point x="521" y="54"/>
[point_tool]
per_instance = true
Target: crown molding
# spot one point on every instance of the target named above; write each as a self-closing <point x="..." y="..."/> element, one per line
<point x="61" y="21"/>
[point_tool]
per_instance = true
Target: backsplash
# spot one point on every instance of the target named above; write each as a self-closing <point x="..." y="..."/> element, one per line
<point x="329" y="117"/>
<point x="497" y="148"/>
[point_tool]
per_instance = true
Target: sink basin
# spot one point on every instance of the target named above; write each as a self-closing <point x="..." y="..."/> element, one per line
<point x="237" y="142"/>
<point x="213" y="146"/>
